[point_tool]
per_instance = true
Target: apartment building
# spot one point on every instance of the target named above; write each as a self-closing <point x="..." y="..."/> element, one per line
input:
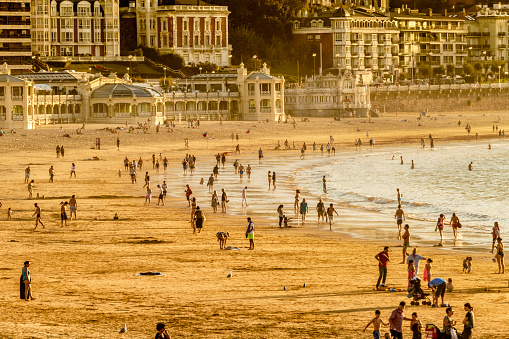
<point x="75" y="28"/>
<point x="15" y="35"/>
<point x="432" y="39"/>
<point x="488" y="33"/>
<point x="355" y="39"/>
<point x="194" y="29"/>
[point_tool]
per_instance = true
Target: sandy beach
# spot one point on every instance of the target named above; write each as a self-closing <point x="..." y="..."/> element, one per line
<point x="84" y="275"/>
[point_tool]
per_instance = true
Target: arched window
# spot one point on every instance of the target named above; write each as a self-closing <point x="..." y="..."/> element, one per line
<point x="143" y="107"/>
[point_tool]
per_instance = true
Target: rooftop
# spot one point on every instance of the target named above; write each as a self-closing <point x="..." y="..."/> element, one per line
<point x="124" y="91"/>
<point x="47" y="76"/>
<point x="10" y="78"/>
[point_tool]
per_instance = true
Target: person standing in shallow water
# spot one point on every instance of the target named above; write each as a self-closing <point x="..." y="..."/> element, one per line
<point x="400" y="217"/>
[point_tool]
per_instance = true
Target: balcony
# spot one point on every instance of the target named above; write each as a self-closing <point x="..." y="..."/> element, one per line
<point x="265" y="93"/>
<point x="265" y="110"/>
<point x="252" y="109"/>
<point x="251" y="93"/>
<point x="474" y="34"/>
<point x="502" y="33"/>
<point x="502" y="46"/>
<point x="17" y="98"/>
<point x="14" y="9"/>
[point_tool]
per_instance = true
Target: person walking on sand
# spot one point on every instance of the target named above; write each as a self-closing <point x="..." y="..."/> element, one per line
<point x="400" y="217"/>
<point x="376" y="321"/>
<point x="160" y="198"/>
<point x="244" y="196"/>
<point x="296" y="204"/>
<point x="416" y="258"/>
<point x="383" y="260"/>
<point x="269" y="178"/>
<point x="396" y="321"/>
<point x="118" y="144"/>
<point x="471" y="166"/>
<point x="58" y="151"/>
<point x="320" y="210"/>
<point x="500" y="256"/>
<point x="324" y="183"/>
<point x="250" y="233"/>
<point x="62" y="151"/>
<point x="30" y="189"/>
<point x="199" y="218"/>
<point x="455" y="224"/>
<point x="406" y="243"/>
<point x="37" y="213"/>
<point x="260" y="155"/>
<point x="27" y="281"/>
<point x="248" y="171"/>
<point x="63" y="213"/>
<point x="330" y="215"/>
<point x="224" y="200"/>
<point x="214" y="201"/>
<point x="495" y="231"/>
<point x="210" y="183"/>
<point x="148" y="196"/>
<point x="73" y="170"/>
<point x="73" y="206"/>
<point x="281" y="215"/>
<point x="468" y="322"/>
<point x="303" y="210"/>
<point x="188" y="195"/>
<point x="27" y="174"/>
<point x="51" y="174"/>
<point x="274" y="180"/>
<point x="440" y="228"/>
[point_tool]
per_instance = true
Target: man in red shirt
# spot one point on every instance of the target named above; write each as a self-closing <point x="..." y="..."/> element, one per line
<point x="383" y="259"/>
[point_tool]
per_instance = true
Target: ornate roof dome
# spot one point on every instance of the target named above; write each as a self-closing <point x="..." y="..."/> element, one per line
<point x="124" y="91"/>
<point x="341" y="12"/>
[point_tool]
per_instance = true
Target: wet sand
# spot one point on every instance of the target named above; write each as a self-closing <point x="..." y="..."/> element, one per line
<point x="83" y="275"/>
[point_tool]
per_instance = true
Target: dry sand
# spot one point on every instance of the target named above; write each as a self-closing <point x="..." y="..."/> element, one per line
<point x="84" y="275"/>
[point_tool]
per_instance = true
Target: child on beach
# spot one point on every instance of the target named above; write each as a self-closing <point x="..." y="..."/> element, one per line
<point x="467" y="265"/>
<point x="411" y="271"/>
<point x="416" y="327"/>
<point x="9" y="214"/>
<point x="449" y="285"/>
<point x="427" y="270"/>
<point x="376" y="321"/>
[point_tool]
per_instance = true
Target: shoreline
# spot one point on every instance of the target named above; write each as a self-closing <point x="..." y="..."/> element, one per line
<point x="83" y="274"/>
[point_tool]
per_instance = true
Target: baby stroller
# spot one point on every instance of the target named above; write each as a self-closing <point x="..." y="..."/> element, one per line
<point x="415" y="291"/>
<point x="433" y="332"/>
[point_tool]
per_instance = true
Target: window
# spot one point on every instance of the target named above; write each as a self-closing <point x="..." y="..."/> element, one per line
<point x="66" y="24"/>
<point x="196" y="24"/>
<point x="317" y="37"/>
<point x="310" y="37"/>
<point x="252" y="103"/>
<point x="66" y="37"/>
<point x="196" y="38"/>
<point x="265" y="103"/>
<point x="2" y="91"/>
<point x="144" y="107"/>
<point x="218" y="41"/>
<point x="218" y="24"/>
<point x="185" y="25"/>
<point x="83" y="11"/>
<point x="84" y="37"/>
<point x="278" y="87"/>
<point x="66" y="10"/>
<point x="207" y="40"/>
<point x="83" y="23"/>
<point x="251" y="88"/>
<point x="17" y="110"/>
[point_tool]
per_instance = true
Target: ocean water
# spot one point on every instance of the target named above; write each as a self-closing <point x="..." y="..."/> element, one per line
<point x="363" y="184"/>
<point x="440" y="183"/>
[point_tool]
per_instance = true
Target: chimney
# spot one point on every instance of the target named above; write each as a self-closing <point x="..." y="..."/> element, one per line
<point x="430" y="11"/>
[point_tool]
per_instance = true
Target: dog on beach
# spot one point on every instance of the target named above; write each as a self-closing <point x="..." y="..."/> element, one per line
<point x="222" y="237"/>
<point x="467" y="265"/>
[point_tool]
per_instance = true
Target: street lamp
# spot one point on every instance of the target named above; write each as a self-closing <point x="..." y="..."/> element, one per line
<point x="229" y="60"/>
<point x="130" y="66"/>
<point x="314" y="64"/>
<point x="430" y="67"/>
<point x="337" y="59"/>
<point x="164" y="76"/>
<point x="200" y="69"/>
<point x="499" y="75"/>
<point x="469" y="53"/>
<point x="129" y="71"/>
<point x="254" y="57"/>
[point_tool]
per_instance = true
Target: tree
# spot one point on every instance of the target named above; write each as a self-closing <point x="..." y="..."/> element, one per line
<point x="450" y="69"/>
<point x="477" y="67"/>
<point x="246" y="43"/>
<point x="438" y="70"/>
<point x="468" y="69"/>
<point x="425" y="70"/>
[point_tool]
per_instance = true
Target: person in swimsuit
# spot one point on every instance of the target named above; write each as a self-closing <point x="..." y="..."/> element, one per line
<point x="27" y="280"/>
<point x="160" y="199"/>
<point x="224" y="200"/>
<point x="250" y="233"/>
<point x="199" y="218"/>
<point x="248" y="171"/>
<point x="324" y="181"/>
<point x="400" y="217"/>
<point x="455" y="222"/>
<point x="440" y="228"/>
<point x="214" y="202"/>
<point x="330" y="215"/>
<point x="244" y="196"/>
<point x="274" y="180"/>
<point x="27" y="174"/>
<point x="495" y="231"/>
<point x="30" y="189"/>
<point x="281" y="215"/>
<point x="320" y="209"/>
<point x="269" y="178"/>
<point x="416" y="327"/>
<point x="73" y="206"/>
<point x="38" y="216"/>
<point x="51" y="174"/>
<point x="500" y="256"/>
<point x="406" y="242"/>
<point x="296" y="204"/>
<point x="63" y="213"/>
<point x="148" y="196"/>
<point x="73" y="170"/>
